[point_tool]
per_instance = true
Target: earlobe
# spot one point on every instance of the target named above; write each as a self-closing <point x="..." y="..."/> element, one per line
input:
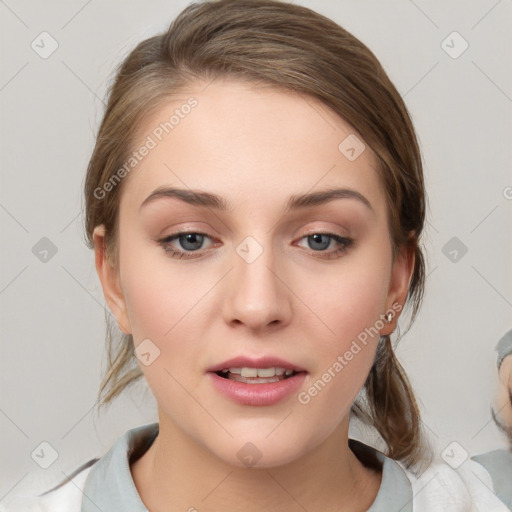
<point x="109" y="278"/>
<point x="401" y="275"/>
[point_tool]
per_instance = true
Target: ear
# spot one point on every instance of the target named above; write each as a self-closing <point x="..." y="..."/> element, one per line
<point x="109" y="278"/>
<point x="401" y="275"/>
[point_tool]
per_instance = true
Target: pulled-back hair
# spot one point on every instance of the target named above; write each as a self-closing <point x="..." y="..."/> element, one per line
<point x="276" y="44"/>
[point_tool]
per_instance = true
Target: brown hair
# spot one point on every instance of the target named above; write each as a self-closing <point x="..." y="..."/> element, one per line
<point x="291" y="47"/>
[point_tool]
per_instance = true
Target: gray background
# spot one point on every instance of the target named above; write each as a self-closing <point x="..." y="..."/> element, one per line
<point x="52" y="318"/>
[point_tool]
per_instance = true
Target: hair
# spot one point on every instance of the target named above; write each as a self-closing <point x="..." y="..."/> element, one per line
<point x="295" y="49"/>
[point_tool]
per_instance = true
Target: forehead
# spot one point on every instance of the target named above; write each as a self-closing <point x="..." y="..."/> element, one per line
<point x="249" y="144"/>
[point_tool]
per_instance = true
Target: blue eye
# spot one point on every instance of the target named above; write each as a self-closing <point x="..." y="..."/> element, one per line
<point x="190" y="241"/>
<point x="321" y="241"/>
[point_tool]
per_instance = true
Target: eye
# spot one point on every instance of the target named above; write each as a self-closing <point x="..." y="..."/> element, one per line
<point x="319" y="242"/>
<point x="190" y="241"/>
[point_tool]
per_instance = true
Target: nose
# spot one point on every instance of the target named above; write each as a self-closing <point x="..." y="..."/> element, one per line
<point x="256" y="293"/>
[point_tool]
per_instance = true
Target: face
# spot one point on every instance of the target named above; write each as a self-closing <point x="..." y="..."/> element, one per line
<point x="198" y="285"/>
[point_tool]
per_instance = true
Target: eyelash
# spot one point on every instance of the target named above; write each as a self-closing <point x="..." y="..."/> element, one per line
<point x="345" y="242"/>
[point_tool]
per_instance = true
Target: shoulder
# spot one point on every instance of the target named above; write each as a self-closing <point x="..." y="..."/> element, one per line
<point x="466" y="488"/>
<point x="65" y="497"/>
<point x="498" y="464"/>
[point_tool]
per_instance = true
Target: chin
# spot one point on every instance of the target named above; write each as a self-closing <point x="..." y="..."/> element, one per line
<point x="259" y="453"/>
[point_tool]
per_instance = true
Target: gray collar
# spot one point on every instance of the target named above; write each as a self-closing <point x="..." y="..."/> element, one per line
<point x="109" y="486"/>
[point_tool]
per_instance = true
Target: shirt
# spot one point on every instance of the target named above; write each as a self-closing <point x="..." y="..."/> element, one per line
<point x="499" y="465"/>
<point x="106" y="484"/>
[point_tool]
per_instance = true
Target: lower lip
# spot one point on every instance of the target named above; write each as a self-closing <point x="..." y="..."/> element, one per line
<point x="258" y="394"/>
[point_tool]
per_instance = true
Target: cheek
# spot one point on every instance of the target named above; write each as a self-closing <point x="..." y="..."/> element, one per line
<point x="164" y="306"/>
<point x="160" y="296"/>
<point x="349" y="307"/>
<point x="353" y="298"/>
<point x="167" y="303"/>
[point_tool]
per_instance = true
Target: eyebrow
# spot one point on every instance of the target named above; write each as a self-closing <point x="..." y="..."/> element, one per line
<point x="295" y="202"/>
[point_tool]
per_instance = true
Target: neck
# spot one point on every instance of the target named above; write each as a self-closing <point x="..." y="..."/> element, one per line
<point x="176" y="474"/>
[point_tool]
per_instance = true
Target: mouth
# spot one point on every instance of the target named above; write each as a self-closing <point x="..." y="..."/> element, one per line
<point x="257" y="382"/>
<point x="257" y="375"/>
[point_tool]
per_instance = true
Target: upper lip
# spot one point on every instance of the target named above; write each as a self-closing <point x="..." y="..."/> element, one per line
<point x="260" y="362"/>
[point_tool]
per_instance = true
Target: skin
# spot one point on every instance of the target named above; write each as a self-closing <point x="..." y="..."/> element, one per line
<point x="255" y="147"/>
<point x="503" y="403"/>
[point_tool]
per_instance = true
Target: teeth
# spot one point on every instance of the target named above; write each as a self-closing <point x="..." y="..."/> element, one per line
<point x="266" y="372"/>
<point x="255" y="380"/>
<point x="258" y="372"/>
<point x="249" y="372"/>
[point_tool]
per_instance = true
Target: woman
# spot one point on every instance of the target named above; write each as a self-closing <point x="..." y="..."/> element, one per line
<point x="255" y="200"/>
<point x="499" y="462"/>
